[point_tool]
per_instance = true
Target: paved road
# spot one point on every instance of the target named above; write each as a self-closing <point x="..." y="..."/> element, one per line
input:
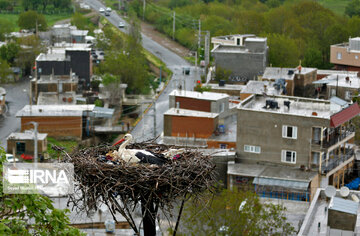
<point x="145" y="128"/>
<point x="16" y="98"/>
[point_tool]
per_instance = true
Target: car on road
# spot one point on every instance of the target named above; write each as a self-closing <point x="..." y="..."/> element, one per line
<point x="108" y="9"/>
<point x="186" y="70"/>
<point x="107" y="13"/>
<point x="101" y="10"/>
<point x="121" y="24"/>
<point x="10" y="158"/>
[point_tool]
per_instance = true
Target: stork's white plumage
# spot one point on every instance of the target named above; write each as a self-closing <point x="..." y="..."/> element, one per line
<point x="134" y="155"/>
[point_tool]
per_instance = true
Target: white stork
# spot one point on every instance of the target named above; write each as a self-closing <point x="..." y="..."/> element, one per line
<point x="135" y="155"/>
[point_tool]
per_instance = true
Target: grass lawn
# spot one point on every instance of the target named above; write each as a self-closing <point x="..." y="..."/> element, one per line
<point x="50" y="19"/>
<point x="337" y="6"/>
<point x="68" y="145"/>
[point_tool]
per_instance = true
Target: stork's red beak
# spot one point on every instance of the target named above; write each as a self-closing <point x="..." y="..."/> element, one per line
<point x="118" y="142"/>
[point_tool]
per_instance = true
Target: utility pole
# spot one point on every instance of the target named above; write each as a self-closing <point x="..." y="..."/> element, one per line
<point x="119" y="5"/>
<point x="154" y="107"/>
<point x="207" y="48"/>
<point x="35" y="124"/>
<point x="174" y="26"/>
<point x="199" y="38"/>
<point x="144" y="9"/>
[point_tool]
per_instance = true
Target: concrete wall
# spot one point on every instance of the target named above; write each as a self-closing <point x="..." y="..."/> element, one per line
<point x="244" y="66"/>
<point x="348" y="58"/>
<point x="184" y="126"/>
<point x="29" y="146"/>
<point x="63" y="127"/>
<point x="341" y="220"/>
<point x="264" y="129"/>
<point x="340" y="92"/>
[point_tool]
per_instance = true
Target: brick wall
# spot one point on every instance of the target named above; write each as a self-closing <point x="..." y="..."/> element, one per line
<point x="193" y="104"/>
<point x="190" y="126"/>
<point x="56" y="126"/>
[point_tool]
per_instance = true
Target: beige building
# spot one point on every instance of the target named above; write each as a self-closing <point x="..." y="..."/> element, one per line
<point x="297" y="79"/>
<point x="339" y="85"/>
<point x="346" y="56"/>
<point x="298" y="134"/>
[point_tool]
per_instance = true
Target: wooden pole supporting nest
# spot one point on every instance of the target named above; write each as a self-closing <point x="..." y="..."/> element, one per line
<point x="124" y="186"/>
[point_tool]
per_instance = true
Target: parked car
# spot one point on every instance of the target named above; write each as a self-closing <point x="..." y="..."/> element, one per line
<point x="107" y="13"/>
<point x="121" y="24"/>
<point x="101" y="10"/>
<point x="186" y="70"/>
<point x="10" y="158"/>
<point x="108" y="9"/>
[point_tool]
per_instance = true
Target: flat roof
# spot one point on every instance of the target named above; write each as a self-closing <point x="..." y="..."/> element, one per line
<point x="256" y="39"/>
<point x="285" y="73"/>
<point x="50" y="79"/>
<point x="233" y="87"/>
<point x="190" y="113"/>
<point x="51" y="57"/>
<point x="54" y="110"/>
<point x="53" y="98"/>
<point x="299" y="106"/>
<point x="319" y="209"/>
<point x="233" y="49"/>
<point x="27" y="135"/>
<point x="257" y="87"/>
<point x="341" y="80"/>
<point x="197" y="95"/>
<point x="271" y="172"/>
<point x="339" y="72"/>
<point x="241" y="169"/>
<point x="79" y="32"/>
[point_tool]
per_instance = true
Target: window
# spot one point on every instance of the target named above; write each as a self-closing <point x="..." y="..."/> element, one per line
<point x="347" y="95"/>
<point x="223" y="146"/>
<point x="339" y="56"/>
<point x="20" y="148"/>
<point x="356" y="57"/>
<point x="333" y="92"/>
<point x="289" y="132"/>
<point x="253" y="149"/>
<point x="222" y="107"/>
<point x="288" y="156"/>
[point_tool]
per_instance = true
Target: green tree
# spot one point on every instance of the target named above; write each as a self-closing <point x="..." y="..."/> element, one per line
<point x="5" y="28"/>
<point x="80" y="21"/>
<point x="29" y="19"/>
<point x="283" y="51"/>
<point x="222" y="74"/>
<point x="9" y="52"/>
<point x="234" y="213"/>
<point x="313" y="58"/>
<point x="353" y="8"/>
<point x="4" y="71"/>
<point x="17" y="210"/>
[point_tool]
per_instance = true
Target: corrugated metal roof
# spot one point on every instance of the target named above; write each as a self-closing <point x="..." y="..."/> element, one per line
<point x="281" y="183"/>
<point x="338" y="101"/>
<point x="102" y="112"/>
<point x="344" y="115"/>
<point x="347" y="206"/>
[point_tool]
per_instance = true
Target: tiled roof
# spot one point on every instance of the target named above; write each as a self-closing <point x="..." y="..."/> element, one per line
<point x="344" y="115"/>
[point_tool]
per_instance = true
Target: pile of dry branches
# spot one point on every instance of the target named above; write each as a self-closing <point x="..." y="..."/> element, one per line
<point x="122" y="186"/>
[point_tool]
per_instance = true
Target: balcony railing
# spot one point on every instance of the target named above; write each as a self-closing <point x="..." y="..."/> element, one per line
<point x="336" y="161"/>
<point x="335" y="138"/>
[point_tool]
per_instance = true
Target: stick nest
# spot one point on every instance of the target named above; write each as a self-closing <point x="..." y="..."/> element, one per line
<point x="121" y="186"/>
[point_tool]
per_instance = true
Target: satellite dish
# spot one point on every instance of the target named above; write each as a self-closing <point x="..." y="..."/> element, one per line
<point x="354" y="198"/>
<point x="330" y="191"/>
<point x="344" y="191"/>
